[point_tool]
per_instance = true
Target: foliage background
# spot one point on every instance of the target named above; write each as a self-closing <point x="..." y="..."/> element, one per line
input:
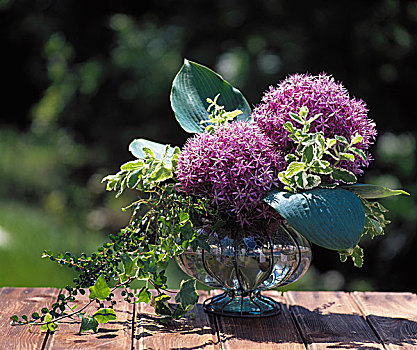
<point x="82" y="79"/>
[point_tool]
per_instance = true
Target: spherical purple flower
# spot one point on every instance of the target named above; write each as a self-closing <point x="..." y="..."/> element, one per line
<point x="340" y="114"/>
<point x="234" y="166"/>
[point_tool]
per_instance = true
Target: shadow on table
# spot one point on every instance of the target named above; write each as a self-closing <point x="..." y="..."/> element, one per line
<point x="340" y="330"/>
<point x="299" y="325"/>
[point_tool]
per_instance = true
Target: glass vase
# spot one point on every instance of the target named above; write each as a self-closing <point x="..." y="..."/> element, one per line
<point x="246" y="262"/>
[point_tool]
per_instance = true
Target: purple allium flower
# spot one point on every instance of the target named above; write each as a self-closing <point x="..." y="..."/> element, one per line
<point x="234" y="166"/>
<point x="341" y="114"/>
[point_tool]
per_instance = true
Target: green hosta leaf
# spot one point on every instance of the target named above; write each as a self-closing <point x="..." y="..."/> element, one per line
<point x="343" y="175"/>
<point x="331" y="218"/>
<point x="187" y="295"/>
<point x="100" y="290"/>
<point x="104" y="315"/>
<point x="144" y="295"/>
<point x="373" y="191"/>
<point x="88" y="323"/>
<point x="192" y="86"/>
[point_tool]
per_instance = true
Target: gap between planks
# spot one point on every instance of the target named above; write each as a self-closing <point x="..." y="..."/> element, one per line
<point x="312" y="320"/>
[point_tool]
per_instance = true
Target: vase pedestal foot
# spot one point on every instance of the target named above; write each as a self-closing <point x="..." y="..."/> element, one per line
<point x="235" y="305"/>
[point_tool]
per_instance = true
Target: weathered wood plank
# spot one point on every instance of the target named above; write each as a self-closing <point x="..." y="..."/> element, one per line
<point x="22" y="301"/>
<point x="331" y="320"/>
<point x="276" y="332"/>
<point x="393" y="316"/>
<point x="115" y="334"/>
<point x="191" y="332"/>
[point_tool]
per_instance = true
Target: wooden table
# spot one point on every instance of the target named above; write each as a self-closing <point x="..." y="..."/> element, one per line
<point x="309" y="320"/>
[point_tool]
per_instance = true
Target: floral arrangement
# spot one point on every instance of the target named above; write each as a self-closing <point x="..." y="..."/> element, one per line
<point x="295" y="157"/>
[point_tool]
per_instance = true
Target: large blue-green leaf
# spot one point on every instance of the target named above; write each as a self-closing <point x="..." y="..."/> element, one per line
<point x="369" y="191"/>
<point x="192" y="86"/>
<point x="331" y="218"/>
<point x="137" y="147"/>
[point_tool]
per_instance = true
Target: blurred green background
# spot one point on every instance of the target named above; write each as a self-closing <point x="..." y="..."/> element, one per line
<point x="81" y="79"/>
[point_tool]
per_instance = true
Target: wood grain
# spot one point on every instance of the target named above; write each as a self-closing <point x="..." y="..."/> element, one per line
<point x="22" y="301"/>
<point x="393" y="316"/>
<point x="331" y="320"/>
<point x="276" y="332"/>
<point x="192" y="332"/>
<point x="115" y="334"/>
<point x="312" y="320"/>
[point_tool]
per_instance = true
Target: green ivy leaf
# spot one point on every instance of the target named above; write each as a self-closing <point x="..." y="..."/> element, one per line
<point x="100" y="290"/>
<point x="104" y="315"/>
<point x="87" y="323"/>
<point x="144" y="296"/>
<point x="160" y="303"/>
<point x="187" y="296"/>
<point x="192" y="86"/>
<point x="129" y="264"/>
<point x="184" y="217"/>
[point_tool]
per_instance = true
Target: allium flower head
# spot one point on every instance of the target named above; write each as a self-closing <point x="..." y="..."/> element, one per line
<point x="341" y="114"/>
<point x="234" y="166"/>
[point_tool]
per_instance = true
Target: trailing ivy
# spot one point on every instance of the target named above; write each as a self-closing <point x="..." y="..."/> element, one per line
<point x="161" y="228"/>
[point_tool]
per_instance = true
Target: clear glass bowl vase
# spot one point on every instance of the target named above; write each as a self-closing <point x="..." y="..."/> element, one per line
<point x="244" y="263"/>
